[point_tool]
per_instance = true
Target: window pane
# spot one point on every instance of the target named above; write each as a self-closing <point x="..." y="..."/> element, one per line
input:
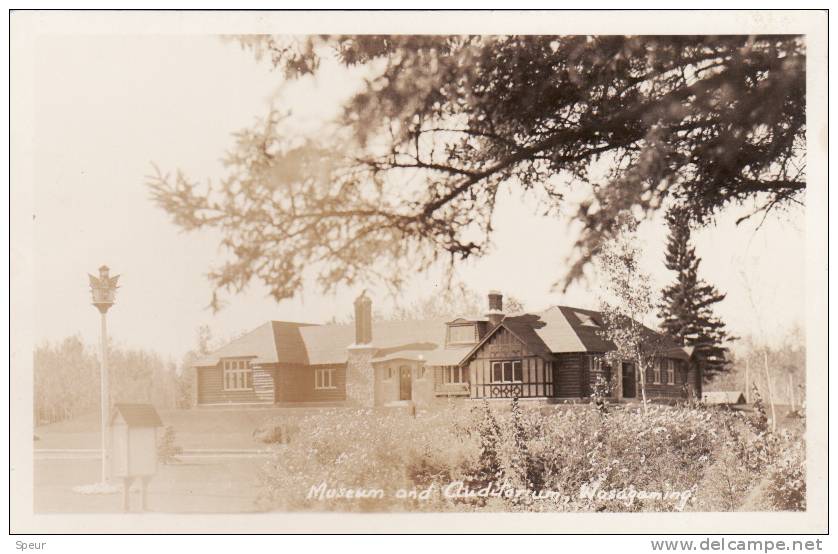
<point x="497" y="371"/>
<point x="518" y="370"/>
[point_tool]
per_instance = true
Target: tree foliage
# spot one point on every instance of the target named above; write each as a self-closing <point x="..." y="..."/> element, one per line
<point x="410" y="172"/>
<point x="686" y="307"/>
<point x="67" y="379"/>
<point x="627" y="300"/>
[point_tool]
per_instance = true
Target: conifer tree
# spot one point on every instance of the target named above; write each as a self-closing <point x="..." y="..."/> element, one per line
<point x="686" y="307"/>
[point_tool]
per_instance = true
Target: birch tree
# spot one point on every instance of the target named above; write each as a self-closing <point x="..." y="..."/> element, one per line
<point x="626" y="300"/>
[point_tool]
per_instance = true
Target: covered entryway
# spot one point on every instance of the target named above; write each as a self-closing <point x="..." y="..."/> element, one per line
<point x="405" y="383"/>
<point x="629" y="380"/>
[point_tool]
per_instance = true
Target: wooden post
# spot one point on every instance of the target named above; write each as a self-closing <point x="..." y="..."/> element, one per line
<point x="144" y="482"/>
<point x="126" y="492"/>
<point x="104" y="393"/>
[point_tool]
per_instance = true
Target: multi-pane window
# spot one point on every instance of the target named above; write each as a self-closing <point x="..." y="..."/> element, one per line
<point x="324" y="378"/>
<point x="508" y="371"/>
<point x="657" y="370"/>
<point x="670" y="371"/>
<point x="238" y="375"/>
<point x="453" y="374"/>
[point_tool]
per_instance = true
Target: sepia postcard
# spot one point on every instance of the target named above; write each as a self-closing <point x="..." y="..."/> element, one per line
<point x="439" y="272"/>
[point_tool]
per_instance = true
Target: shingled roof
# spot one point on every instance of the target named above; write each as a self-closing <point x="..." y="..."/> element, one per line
<point x="137" y="415"/>
<point x="559" y="329"/>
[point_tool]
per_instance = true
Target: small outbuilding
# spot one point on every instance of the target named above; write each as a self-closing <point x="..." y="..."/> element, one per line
<point x="724" y="397"/>
<point x="134" y="440"/>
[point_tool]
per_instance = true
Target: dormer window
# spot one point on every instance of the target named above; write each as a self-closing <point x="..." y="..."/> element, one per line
<point x="462" y="333"/>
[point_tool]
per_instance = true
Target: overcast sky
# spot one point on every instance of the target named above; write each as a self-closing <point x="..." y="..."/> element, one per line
<point x="107" y="107"/>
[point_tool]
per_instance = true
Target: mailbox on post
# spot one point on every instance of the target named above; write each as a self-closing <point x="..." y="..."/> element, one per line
<point x="134" y="445"/>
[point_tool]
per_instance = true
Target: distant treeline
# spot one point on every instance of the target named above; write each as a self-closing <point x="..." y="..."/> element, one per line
<point x="67" y="381"/>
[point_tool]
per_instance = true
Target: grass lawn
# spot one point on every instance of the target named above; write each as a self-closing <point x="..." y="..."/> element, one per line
<point x="194" y="429"/>
<point x="207" y="486"/>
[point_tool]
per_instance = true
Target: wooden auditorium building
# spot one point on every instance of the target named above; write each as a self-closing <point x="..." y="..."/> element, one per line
<point x="553" y="355"/>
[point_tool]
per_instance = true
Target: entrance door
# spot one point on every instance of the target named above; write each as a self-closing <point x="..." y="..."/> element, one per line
<point x="405" y="384"/>
<point x="629" y="380"/>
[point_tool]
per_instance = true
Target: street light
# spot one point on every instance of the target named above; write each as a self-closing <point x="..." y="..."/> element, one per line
<point x="103" y="291"/>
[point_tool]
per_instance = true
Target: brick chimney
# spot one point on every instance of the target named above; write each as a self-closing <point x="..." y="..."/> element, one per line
<point x="363" y="319"/>
<point x="360" y="373"/>
<point x="495" y="313"/>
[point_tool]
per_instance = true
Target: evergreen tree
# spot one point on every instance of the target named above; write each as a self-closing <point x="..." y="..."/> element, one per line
<point x="687" y="304"/>
<point x="713" y="120"/>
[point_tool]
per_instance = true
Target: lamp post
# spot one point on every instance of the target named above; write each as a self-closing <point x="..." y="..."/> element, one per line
<point x="103" y="291"/>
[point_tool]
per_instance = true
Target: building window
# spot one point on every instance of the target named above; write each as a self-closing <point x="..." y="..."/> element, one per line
<point x="463" y="334"/>
<point x="657" y="369"/>
<point x="238" y="375"/>
<point x="670" y="371"/>
<point x="324" y="378"/>
<point x="507" y="372"/>
<point x="453" y="374"/>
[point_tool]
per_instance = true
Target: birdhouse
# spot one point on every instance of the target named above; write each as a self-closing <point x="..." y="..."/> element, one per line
<point x="134" y="440"/>
<point x="103" y="289"/>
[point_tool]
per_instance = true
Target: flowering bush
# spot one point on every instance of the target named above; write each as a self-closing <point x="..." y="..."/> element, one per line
<point x="515" y="456"/>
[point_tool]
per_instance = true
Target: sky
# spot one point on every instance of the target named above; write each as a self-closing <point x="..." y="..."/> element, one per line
<point x="108" y="107"/>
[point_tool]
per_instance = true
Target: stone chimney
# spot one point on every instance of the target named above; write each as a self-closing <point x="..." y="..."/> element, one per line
<point x="495" y="314"/>
<point x="363" y="319"/>
<point x="360" y="373"/>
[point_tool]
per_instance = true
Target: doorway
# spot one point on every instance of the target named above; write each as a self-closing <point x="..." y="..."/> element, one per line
<point x="629" y="380"/>
<point x="405" y="383"/>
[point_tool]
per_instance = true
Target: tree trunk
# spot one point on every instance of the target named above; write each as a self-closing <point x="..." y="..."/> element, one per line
<point x="747" y="380"/>
<point x="770" y="391"/>
<point x="642" y="371"/>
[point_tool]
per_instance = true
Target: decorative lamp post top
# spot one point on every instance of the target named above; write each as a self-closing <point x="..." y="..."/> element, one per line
<point x="103" y="289"/>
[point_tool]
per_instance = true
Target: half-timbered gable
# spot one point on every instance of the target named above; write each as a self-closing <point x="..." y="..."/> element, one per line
<point x="510" y="362"/>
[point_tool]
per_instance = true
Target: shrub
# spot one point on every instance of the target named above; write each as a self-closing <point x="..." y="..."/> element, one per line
<point x="167" y="450"/>
<point x="786" y="489"/>
<point x="534" y="458"/>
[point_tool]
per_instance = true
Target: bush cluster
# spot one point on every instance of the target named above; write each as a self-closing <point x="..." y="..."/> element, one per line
<point x="525" y="457"/>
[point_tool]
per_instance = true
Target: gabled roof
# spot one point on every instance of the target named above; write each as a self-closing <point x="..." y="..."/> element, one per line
<point x="560" y="329"/>
<point x="521" y="327"/>
<point x="137" y="415"/>
<point x="309" y="344"/>
<point x="263" y="345"/>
